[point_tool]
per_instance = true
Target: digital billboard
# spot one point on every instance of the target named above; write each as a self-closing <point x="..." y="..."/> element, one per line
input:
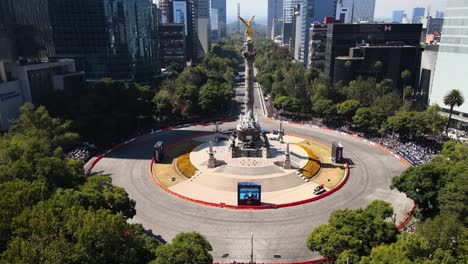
<point x="180" y="13"/>
<point x="249" y="193"/>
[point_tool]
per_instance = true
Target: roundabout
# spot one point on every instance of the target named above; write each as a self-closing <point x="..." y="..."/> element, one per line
<point x="189" y="177"/>
<point x="279" y="234"/>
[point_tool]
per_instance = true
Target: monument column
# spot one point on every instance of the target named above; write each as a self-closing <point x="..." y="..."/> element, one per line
<point x="249" y="55"/>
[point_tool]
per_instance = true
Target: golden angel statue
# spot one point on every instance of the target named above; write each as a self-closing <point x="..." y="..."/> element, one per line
<point x="248" y="24"/>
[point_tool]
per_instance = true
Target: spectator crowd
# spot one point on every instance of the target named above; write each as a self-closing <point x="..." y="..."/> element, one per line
<point x="83" y="152"/>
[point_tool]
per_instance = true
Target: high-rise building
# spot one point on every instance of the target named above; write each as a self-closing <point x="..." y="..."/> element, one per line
<point x="395" y="58"/>
<point x="166" y="11"/>
<point x="355" y="11"/>
<point x="203" y="26"/>
<point x="220" y="6"/>
<point x="317" y="45"/>
<point x="451" y="67"/>
<point x="288" y="12"/>
<point x="277" y="29"/>
<point x="434" y="25"/>
<point x="342" y="37"/>
<point x="295" y="46"/>
<point x="275" y="12"/>
<point x="439" y="14"/>
<point x="107" y="38"/>
<point x="7" y="32"/>
<point x="397" y="16"/>
<point x="363" y="10"/>
<point x="313" y="11"/>
<point x="344" y="11"/>
<point x="418" y="14"/>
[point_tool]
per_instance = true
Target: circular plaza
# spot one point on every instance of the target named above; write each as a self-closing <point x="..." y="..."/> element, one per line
<point x="185" y="171"/>
<point x="279" y="234"/>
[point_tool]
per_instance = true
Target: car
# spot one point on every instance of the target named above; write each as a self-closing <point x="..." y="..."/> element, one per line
<point x="275" y="132"/>
<point x="319" y="189"/>
<point x="265" y="131"/>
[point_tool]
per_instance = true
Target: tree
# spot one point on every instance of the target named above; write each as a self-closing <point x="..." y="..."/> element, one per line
<point x="98" y="192"/>
<point x="378" y="69"/>
<point x="405" y="76"/>
<point x="367" y="119"/>
<point x="186" y="248"/>
<point x="452" y="99"/>
<point x="438" y="186"/>
<point x="438" y="240"/>
<point x="353" y="233"/>
<point x="17" y="195"/>
<point x="287" y="103"/>
<point x="163" y="105"/>
<point x="347" y="109"/>
<point x="49" y="233"/>
<point x="324" y="108"/>
<point x="407" y="92"/>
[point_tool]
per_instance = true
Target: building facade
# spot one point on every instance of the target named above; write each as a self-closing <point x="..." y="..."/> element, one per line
<point x="32" y="82"/>
<point x="342" y="37"/>
<point x="313" y="11"/>
<point x="288" y="12"/>
<point x="107" y="38"/>
<point x="451" y="68"/>
<point x="173" y="44"/>
<point x="397" y="16"/>
<point x="395" y="58"/>
<point x="220" y="6"/>
<point x="363" y="10"/>
<point x="275" y="13"/>
<point x="418" y="14"/>
<point x="203" y="26"/>
<point x="317" y="46"/>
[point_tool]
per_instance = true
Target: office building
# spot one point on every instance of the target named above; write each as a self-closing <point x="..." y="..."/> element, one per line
<point x="107" y="38"/>
<point x="288" y="12"/>
<point x="277" y="29"/>
<point x="363" y="11"/>
<point x="275" y="13"/>
<point x="317" y="46"/>
<point x="355" y="11"/>
<point x="33" y="23"/>
<point x="173" y="44"/>
<point x="296" y="37"/>
<point x="344" y="11"/>
<point x="32" y="82"/>
<point x="451" y="68"/>
<point x="397" y="16"/>
<point x="395" y="57"/>
<point x="428" y="64"/>
<point x="165" y="7"/>
<point x="220" y="6"/>
<point x="7" y="32"/>
<point x="313" y="11"/>
<point x="203" y="26"/>
<point x="342" y="37"/>
<point x="434" y="25"/>
<point x="418" y="14"/>
<point x="439" y="14"/>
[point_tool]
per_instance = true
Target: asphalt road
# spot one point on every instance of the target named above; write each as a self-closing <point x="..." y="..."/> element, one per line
<point x="279" y="232"/>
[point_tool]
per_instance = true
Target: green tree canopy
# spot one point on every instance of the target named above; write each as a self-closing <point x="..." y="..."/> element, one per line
<point x="353" y="233"/>
<point x="186" y="248"/>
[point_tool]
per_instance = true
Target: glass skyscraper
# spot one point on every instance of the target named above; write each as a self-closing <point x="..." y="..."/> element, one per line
<point x="451" y="67"/>
<point x="275" y="13"/>
<point x="107" y="38"/>
<point x="220" y="6"/>
<point x="313" y="11"/>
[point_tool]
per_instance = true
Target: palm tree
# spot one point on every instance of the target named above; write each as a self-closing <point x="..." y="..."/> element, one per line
<point x="377" y="68"/>
<point x="408" y="91"/>
<point x="453" y="98"/>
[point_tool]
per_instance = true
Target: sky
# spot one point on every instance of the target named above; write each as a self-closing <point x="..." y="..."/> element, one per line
<point x="383" y="8"/>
